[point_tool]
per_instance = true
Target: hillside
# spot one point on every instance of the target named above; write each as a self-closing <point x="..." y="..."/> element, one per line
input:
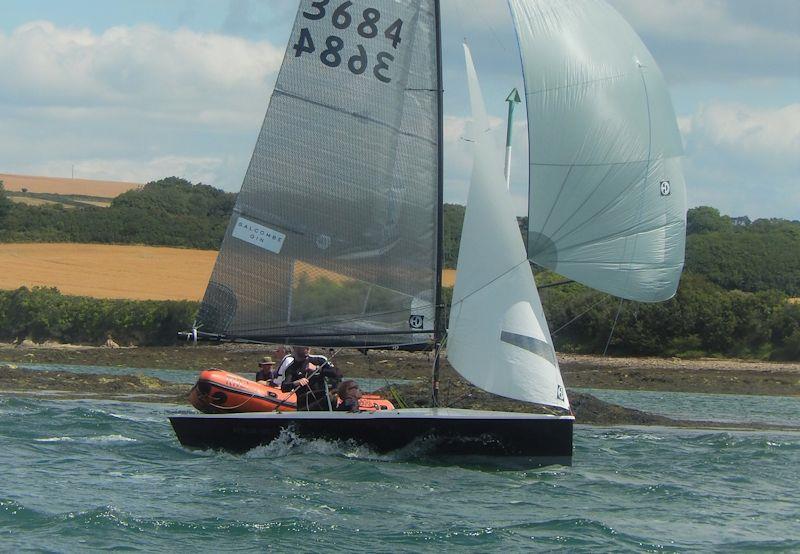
<point x="169" y="212"/>
<point x="752" y="257"/>
<point x="736" y="255"/>
<point x="733" y="299"/>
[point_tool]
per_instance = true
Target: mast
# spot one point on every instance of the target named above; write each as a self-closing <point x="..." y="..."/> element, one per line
<point x="513" y="99"/>
<point x="439" y="314"/>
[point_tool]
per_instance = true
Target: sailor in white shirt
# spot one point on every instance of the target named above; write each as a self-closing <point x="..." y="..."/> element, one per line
<point x="299" y="355"/>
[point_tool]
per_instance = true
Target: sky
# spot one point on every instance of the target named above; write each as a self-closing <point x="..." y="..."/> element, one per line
<point x="137" y="90"/>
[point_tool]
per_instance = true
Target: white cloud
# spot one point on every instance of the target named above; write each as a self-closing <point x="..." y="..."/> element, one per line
<point x="142" y="66"/>
<point x="744" y="160"/>
<point x="764" y="137"/>
<point x="132" y="102"/>
<point x="707" y="40"/>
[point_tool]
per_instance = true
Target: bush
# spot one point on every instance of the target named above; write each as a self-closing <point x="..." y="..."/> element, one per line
<point x="43" y="314"/>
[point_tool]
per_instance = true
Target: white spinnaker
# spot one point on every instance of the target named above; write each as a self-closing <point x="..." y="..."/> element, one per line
<point x="607" y="193"/>
<point x="498" y="337"/>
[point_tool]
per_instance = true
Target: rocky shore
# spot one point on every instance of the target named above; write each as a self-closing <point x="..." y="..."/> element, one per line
<point x="714" y="376"/>
<point x="657" y="374"/>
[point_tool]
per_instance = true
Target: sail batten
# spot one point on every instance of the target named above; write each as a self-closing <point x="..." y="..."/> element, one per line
<point x="604" y="150"/>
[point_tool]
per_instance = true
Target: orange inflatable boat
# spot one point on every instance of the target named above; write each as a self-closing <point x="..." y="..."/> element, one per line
<point x="218" y="391"/>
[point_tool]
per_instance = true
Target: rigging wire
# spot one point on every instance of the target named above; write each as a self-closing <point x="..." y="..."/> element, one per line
<point x="389" y="385"/>
<point x="574" y="319"/>
<point x="437" y="359"/>
<point x="613" y="326"/>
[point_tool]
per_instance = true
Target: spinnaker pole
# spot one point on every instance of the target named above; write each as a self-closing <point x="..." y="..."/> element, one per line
<point x="513" y="99"/>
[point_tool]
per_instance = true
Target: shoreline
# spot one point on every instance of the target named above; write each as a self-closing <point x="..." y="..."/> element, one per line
<point x="705" y="375"/>
<point x="588" y="410"/>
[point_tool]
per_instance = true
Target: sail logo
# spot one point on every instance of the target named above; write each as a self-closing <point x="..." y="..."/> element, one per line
<point x="323" y="242"/>
<point x="666" y="189"/>
<point x="416" y="321"/>
<point x="258" y="235"/>
<point x="560" y="392"/>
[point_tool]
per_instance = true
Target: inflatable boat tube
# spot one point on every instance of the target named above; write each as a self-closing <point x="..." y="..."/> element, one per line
<point x="218" y="392"/>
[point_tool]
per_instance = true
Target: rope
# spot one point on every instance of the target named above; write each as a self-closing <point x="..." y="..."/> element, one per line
<point x="232" y="407"/>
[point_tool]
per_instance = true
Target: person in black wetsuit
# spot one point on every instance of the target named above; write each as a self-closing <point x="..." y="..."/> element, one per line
<point x="312" y="385"/>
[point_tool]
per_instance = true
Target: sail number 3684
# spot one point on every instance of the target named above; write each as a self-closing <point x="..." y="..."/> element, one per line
<point x="368" y="26"/>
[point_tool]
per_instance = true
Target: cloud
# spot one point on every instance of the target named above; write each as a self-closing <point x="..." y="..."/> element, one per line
<point x="258" y="18"/>
<point x="743" y="158"/>
<point x="151" y="102"/>
<point x="707" y="40"/>
<point x="140" y="66"/>
<point x="762" y="138"/>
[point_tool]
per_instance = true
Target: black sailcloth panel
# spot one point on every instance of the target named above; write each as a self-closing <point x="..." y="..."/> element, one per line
<point x="333" y="237"/>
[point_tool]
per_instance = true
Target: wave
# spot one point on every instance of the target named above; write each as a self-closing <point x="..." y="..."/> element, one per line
<point x="289" y="444"/>
<point x="102" y="439"/>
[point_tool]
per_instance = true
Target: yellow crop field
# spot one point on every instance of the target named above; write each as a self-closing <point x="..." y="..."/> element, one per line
<point x="34" y="201"/>
<point x="96" y="203"/>
<point x="108" y="271"/>
<point x="57" y="185"/>
<point x="116" y="271"/>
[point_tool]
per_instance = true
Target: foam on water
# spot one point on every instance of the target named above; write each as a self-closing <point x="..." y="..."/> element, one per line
<point x="289" y="444"/>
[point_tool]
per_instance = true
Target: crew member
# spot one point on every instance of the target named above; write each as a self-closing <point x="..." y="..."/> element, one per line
<point x="265" y="368"/>
<point x="310" y="382"/>
<point x="349" y="393"/>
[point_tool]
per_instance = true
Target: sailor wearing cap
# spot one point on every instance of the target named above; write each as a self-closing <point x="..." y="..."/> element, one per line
<point x="265" y="367"/>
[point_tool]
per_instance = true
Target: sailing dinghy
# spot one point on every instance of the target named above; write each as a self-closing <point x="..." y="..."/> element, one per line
<point x="336" y="236"/>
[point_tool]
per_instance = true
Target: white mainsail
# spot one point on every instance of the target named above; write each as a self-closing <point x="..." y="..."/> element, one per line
<point x="498" y="337"/>
<point x="607" y="193"/>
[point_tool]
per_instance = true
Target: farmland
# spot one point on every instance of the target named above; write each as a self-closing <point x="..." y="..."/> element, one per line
<point x="108" y="271"/>
<point x="113" y="271"/>
<point x="69" y="187"/>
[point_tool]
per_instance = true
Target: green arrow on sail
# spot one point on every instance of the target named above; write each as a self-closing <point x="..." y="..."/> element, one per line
<point x="513" y="99"/>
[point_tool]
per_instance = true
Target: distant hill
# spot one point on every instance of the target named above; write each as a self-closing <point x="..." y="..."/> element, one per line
<point x="733" y="253"/>
<point x="732" y="299"/>
<point x="169" y="212"/>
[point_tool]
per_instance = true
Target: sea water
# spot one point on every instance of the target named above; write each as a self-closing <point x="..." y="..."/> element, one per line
<point x="80" y="475"/>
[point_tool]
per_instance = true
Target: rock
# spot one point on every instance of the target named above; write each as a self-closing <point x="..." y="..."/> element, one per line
<point x="110" y="343"/>
<point x="27" y="343"/>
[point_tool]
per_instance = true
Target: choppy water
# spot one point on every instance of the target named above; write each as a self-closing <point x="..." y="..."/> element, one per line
<point x="93" y="475"/>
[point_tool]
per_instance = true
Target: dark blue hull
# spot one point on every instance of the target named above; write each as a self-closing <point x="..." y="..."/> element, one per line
<point x="445" y="431"/>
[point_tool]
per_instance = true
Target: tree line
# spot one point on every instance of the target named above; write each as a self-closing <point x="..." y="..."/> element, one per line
<point x="702" y="320"/>
<point x="44" y="313"/>
<point x="733" y="299"/>
<point x="169" y="212"/>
